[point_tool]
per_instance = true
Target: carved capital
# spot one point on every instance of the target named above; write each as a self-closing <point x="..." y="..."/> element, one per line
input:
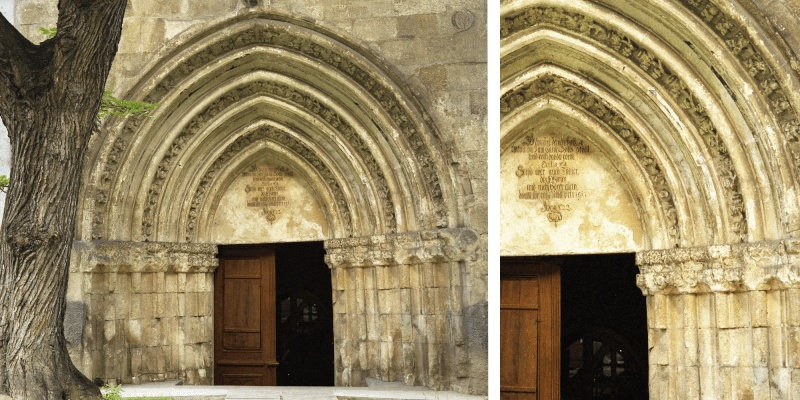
<point x="442" y="245"/>
<point x="720" y="268"/>
<point x="116" y="256"/>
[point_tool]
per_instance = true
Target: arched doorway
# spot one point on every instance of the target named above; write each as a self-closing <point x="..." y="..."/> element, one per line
<point x="275" y="130"/>
<point x="665" y="129"/>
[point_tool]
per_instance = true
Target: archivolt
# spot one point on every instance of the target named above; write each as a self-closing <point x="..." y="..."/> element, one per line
<point x="292" y="90"/>
<point x="712" y="106"/>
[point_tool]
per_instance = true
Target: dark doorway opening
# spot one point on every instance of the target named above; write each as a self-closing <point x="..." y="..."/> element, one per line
<point x="304" y="315"/>
<point x="603" y="329"/>
<point x="297" y="331"/>
<point x="572" y="328"/>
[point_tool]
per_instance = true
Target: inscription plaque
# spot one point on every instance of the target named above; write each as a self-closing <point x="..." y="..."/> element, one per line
<point x="267" y="189"/>
<point x="548" y="172"/>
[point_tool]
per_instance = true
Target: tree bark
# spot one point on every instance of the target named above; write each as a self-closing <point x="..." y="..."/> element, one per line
<point x="49" y="98"/>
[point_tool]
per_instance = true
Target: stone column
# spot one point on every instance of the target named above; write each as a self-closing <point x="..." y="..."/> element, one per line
<point x="399" y="303"/>
<point x="723" y="321"/>
<point x="148" y="311"/>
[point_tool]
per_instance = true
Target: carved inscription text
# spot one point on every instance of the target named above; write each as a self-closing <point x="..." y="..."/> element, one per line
<point x="267" y="190"/>
<point x="549" y="170"/>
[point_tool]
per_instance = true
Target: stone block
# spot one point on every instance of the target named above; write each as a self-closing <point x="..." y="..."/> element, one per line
<point x="109" y="307"/>
<point x="142" y="35"/>
<point x="136" y="306"/>
<point x="136" y="361"/>
<point x="159" y="306"/>
<point x="133" y="331"/>
<point x="171" y="282"/>
<point x="792" y="347"/>
<point x="170" y="305"/>
<point x="478" y="105"/>
<point x="149" y="8"/>
<point x="123" y="283"/>
<point x="690" y="347"/>
<point x="159" y="282"/>
<point x="793" y="307"/>
<point x="109" y="331"/>
<point x="181" y="282"/>
<point x="202" y="9"/>
<point x="373" y="327"/>
<point x="136" y="282"/>
<point x="361" y="300"/>
<point x="150" y="360"/>
<point x="148" y="282"/>
<point x="758" y="304"/>
<point x="192" y="308"/>
<point x="760" y="347"/>
<point x="338" y="12"/>
<point x="660" y="311"/>
<point x="181" y="304"/>
<point x="361" y="326"/>
<point x="418" y="25"/>
<point x="152" y="333"/>
<point x="371" y="301"/>
<point x="405" y="301"/>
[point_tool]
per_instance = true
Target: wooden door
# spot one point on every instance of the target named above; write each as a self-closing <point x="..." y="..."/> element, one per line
<point x="244" y="317"/>
<point x="530" y="304"/>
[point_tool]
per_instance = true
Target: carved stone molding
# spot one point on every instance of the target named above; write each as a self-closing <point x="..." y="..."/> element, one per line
<point x="720" y="268"/>
<point x="579" y="97"/>
<point x="627" y="48"/>
<point x="116" y="256"/>
<point x="442" y="245"/>
<point x="239" y="145"/>
<point x="275" y="37"/>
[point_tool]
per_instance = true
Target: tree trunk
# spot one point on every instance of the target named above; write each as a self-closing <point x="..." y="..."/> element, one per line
<point x="49" y="98"/>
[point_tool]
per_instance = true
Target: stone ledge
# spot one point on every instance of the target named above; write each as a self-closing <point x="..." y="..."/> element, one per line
<point x="720" y="268"/>
<point x="449" y="245"/>
<point x="101" y="256"/>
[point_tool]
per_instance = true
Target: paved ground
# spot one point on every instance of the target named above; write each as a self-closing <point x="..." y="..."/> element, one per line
<point x="375" y="390"/>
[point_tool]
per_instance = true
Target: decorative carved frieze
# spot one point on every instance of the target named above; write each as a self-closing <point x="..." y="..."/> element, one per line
<point x="114" y="256"/>
<point x="720" y="268"/>
<point x="579" y="97"/>
<point x="629" y="49"/>
<point x="275" y="135"/>
<point x="275" y="37"/>
<point x="442" y="245"/>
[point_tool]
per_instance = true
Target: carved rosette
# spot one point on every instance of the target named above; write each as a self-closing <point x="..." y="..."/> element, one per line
<point x="629" y="49"/>
<point x="577" y="96"/>
<point x="720" y="268"/>
<point x="238" y="146"/>
<point x="102" y="256"/>
<point x="442" y="245"/>
<point x="275" y="37"/>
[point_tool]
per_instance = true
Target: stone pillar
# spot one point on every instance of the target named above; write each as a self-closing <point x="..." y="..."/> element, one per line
<point x="399" y="304"/>
<point x="723" y="321"/>
<point x="148" y="311"/>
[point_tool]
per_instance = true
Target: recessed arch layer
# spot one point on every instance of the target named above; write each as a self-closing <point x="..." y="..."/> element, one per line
<point x="268" y="85"/>
<point x="701" y="93"/>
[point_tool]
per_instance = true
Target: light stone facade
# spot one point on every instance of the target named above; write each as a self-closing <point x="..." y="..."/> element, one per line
<point x="669" y="129"/>
<point x="358" y="123"/>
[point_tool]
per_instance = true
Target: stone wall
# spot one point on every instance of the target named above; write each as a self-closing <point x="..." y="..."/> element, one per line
<point x="401" y="310"/>
<point x="148" y="311"/>
<point x="723" y="321"/>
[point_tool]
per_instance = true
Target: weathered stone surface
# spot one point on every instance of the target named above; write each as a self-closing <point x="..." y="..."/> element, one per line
<point x="386" y="147"/>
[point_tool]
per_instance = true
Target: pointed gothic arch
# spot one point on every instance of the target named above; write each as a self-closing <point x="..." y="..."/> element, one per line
<point x="319" y="103"/>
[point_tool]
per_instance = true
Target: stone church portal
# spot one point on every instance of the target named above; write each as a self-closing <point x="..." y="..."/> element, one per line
<point x="313" y="171"/>
<point x="667" y="129"/>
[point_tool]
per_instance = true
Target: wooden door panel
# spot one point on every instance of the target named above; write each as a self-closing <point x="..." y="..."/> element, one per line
<point x="529" y="331"/>
<point x="244" y="317"/>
